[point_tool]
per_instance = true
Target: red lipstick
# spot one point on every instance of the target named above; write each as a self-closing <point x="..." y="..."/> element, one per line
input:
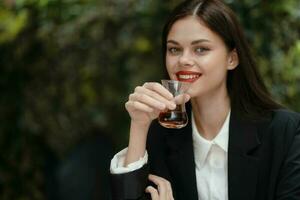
<point x="188" y="76"/>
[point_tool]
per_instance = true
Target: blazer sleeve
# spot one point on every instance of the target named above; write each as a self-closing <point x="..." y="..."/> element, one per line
<point x="130" y="185"/>
<point x="288" y="187"/>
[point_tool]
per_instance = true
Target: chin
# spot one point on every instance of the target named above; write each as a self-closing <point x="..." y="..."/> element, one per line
<point x="192" y="93"/>
<point x="195" y="91"/>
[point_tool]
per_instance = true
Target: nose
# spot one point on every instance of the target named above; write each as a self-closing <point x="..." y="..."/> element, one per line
<point x="186" y="59"/>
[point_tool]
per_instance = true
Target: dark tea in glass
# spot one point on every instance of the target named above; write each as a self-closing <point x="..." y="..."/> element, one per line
<point x="173" y="118"/>
<point x="176" y="118"/>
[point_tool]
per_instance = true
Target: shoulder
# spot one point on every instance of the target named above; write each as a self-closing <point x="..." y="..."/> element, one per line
<point x="279" y="132"/>
<point x="284" y="126"/>
<point x="286" y="117"/>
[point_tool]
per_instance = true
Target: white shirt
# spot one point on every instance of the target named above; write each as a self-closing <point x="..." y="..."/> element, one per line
<point x="211" y="163"/>
<point x="210" y="160"/>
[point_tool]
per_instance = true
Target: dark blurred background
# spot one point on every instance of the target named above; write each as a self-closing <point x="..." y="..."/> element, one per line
<point x="67" y="67"/>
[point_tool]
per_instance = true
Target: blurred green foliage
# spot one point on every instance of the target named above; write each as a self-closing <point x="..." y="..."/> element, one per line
<point x="67" y="67"/>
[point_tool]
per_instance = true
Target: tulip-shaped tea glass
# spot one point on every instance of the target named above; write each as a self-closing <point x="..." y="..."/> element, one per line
<point x="176" y="118"/>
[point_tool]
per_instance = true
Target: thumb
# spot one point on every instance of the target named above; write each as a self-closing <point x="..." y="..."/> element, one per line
<point x="182" y="98"/>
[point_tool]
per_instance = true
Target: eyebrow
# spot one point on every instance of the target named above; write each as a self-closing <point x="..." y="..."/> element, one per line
<point x="193" y="42"/>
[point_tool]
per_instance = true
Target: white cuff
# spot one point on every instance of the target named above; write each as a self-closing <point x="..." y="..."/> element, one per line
<point x="117" y="163"/>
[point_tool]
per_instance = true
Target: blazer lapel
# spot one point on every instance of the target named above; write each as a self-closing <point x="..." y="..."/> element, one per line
<point x="242" y="167"/>
<point x="181" y="160"/>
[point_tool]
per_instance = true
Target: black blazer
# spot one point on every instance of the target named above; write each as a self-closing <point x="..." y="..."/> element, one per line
<point x="263" y="160"/>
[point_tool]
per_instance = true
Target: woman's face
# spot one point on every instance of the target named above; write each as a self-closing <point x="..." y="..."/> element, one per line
<point x="197" y="55"/>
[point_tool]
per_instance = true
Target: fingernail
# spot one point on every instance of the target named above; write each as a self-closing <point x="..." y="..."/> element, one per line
<point x="187" y="98"/>
<point x="173" y="105"/>
<point x="171" y="95"/>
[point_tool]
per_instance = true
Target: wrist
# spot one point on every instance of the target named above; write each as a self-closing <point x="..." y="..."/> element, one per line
<point x="141" y="126"/>
<point x="138" y="134"/>
<point x="137" y="142"/>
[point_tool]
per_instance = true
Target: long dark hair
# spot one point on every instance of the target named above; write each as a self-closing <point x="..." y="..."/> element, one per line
<point x="248" y="94"/>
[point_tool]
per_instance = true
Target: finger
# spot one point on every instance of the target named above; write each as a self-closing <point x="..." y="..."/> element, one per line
<point x="153" y="192"/>
<point x="167" y="185"/>
<point x="160" y="89"/>
<point x="181" y="99"/>
<point x="138" y="106"/>
<point x="169" y="103"/>
<point x="161" y="185"/>
<point x="169" y="190"/>
<point x="154" y="114"/>
<point x="145" y="99"/>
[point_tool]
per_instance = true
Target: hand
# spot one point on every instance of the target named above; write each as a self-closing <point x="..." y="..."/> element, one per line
<point x="143" y="106"/>
<point x="164" y="191"/>
<point x="148" y="101"/>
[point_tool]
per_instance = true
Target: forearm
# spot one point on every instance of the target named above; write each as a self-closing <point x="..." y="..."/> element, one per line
<point x="137" y="142"/>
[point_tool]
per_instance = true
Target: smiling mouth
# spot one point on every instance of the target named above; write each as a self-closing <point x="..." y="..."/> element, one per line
<point x="187" y="76"/>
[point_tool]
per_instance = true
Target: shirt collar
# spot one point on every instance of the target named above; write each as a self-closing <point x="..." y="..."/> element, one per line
<point x="222" y="137"/>
<point x="202" y="146"/>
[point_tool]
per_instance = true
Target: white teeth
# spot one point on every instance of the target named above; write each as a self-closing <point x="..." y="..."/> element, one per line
<point x="188" y="76"/>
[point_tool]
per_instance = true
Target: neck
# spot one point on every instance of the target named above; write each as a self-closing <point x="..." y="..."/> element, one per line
<point x="210" y="113"/>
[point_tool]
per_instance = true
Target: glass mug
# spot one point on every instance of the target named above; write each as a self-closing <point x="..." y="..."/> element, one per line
<point x="178" y="117"/>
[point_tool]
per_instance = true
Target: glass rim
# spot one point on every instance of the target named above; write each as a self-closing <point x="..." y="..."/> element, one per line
<point x="171" y="80"/>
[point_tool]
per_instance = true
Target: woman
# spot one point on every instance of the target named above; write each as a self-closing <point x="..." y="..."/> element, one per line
<point x="239" y="144"/>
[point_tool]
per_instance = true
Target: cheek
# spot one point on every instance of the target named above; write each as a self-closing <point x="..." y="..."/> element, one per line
<point x="216" y="61"/>
<point x="170" y="61"/>
<point x="170" y="65"/>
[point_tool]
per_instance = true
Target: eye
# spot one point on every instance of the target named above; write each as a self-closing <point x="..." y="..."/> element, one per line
<point x="173" y="50"/>
<point x="201" y="50"/>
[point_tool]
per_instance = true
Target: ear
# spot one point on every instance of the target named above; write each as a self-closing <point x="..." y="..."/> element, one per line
<point x="233" y="60"/>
